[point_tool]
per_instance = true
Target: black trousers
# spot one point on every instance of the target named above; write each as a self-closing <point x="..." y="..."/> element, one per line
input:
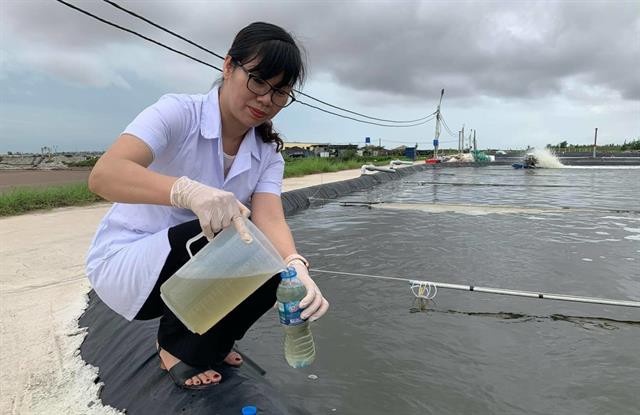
<point x="213" y="346"/>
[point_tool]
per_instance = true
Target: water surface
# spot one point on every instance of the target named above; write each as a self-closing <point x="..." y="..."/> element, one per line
<point x="472" y="352"/>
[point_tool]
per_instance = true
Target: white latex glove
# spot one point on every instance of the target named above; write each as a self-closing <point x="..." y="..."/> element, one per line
<point x="216" y="209"/>
<point x="314" y="304"/>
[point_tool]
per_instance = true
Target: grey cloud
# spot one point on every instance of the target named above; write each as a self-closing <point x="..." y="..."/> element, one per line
<point x="597" y="40"/>
<point x="48" y="23"/>
<point x="403" y="49"/>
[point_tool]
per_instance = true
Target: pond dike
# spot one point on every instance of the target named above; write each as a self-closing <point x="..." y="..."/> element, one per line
<point x="128" y="366"/>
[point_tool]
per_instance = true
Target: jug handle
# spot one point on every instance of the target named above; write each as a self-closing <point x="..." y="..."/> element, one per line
<point x="192" y="240"/>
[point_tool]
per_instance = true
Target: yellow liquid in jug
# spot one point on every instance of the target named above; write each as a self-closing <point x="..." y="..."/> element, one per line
<point x="201" y="303"/>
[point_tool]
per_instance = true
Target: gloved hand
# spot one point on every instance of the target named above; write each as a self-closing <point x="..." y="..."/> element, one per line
<point x="216" y="209"/>
<point x="314" y="304"/>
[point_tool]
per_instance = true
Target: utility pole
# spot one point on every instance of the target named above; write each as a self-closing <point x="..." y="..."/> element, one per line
<point x="595" y="140"/>
<point x="475" y="147"/>
<point x="462" y="139"/>
<point x="380" y="142"/>
<point x="436" y="141"/>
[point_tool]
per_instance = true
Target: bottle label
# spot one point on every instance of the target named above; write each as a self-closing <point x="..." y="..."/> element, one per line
<point x="290" y="313"/>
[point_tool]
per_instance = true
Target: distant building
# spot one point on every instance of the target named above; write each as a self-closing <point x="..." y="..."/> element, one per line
<point x="297" y="149"/>
<point x="306" y="146"/>
<point x="338" y="149"/>
<point x="296" y="152"/>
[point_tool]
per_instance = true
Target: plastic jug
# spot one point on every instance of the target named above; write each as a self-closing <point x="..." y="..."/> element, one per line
<point x="219" y="277"/>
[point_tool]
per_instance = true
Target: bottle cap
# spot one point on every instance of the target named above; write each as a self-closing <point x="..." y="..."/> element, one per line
<point x="249" y="410"/>
<point x="288" y="273"/>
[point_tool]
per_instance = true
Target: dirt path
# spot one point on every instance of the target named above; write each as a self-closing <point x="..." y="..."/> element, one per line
<point x="39" y="178"/>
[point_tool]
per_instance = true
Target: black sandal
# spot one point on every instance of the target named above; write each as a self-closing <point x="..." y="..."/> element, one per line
<point x="181" y="372"/>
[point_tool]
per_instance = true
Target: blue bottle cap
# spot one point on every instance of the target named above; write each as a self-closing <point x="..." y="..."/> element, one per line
<point x="249" y="410"/>
<point x="288" y="273"/>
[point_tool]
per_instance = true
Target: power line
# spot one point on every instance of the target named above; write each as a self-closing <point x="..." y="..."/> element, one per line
<point x="78" y="9"/>
<point x="134" y="14"/>
<point x="363" y="121"/>
<point x="156" y="25"/>
<point x="446" y="127"/>
<point x="366" y="116"/>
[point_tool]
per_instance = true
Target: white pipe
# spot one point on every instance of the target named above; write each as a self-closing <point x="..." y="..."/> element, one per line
<point x="371" y="167"/>
<point x="501" y="291"/>
<point x="410" y="163"/>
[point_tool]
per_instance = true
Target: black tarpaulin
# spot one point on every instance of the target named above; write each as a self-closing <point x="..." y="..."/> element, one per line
<point x="299" y="199"/>
<point x="129" y="367"/>
<point x="124" y="352"/>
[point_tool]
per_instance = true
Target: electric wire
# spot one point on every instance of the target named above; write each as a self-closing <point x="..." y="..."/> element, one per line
<point x="164" y="29"/>
<point x="364" y="121"/>
<point x="446" y="127"/>
<point x="430" y="116"/>
<point x="148" y="39"/>
<point x="158" y="26"/>
<point x="218" y="69"/>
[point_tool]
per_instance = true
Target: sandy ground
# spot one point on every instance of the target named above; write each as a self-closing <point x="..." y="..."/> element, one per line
<point x="42" y="293"/>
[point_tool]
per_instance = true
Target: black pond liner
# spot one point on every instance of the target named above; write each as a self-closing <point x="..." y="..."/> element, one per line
<point x="124" y="352"/>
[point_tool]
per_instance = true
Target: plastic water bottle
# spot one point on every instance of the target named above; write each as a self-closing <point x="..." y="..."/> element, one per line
<point x="299" y="349"/>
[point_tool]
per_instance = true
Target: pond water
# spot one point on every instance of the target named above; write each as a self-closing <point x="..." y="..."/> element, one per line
<point x="567" y="231"/>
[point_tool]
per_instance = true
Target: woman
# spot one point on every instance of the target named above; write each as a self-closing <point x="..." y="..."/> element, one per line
<point x="190" y="164"/>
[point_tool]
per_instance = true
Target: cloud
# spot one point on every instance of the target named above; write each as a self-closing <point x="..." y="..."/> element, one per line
<point x="493" y="49"/>
<point x="519" y="72"/>
<point x="401" y="49"/>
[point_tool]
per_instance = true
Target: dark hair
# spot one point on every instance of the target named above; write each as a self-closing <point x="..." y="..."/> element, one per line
<point x="278" y="54"/>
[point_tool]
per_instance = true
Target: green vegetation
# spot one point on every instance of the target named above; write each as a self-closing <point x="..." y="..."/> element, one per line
<point x="631" y="145"/>
<point x="24" y="199"/>
<point x="89" y="162"/>
<point x="303" y="166"/>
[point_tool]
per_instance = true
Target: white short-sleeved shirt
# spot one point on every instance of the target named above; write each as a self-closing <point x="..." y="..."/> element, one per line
<point x="184" y="133"/>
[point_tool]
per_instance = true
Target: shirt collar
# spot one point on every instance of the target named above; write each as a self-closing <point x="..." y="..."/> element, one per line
<point x="211" y="125"/>
<point x="249" y="144"/>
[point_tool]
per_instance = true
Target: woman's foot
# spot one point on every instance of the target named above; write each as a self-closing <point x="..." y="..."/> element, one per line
<point x="167" y="361"/>
<point x="233" y="359"/>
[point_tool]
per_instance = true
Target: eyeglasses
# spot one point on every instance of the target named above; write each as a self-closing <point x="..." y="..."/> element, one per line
<point x="260" y="87"/>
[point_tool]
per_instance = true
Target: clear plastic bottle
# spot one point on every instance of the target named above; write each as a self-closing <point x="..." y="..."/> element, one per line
<point x="299" y="349"/>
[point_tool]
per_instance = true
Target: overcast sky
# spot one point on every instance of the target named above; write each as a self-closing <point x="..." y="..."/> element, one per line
<point x="519" y="72"/>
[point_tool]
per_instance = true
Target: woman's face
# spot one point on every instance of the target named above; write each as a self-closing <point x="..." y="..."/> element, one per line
<point x="245" y="106"/>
